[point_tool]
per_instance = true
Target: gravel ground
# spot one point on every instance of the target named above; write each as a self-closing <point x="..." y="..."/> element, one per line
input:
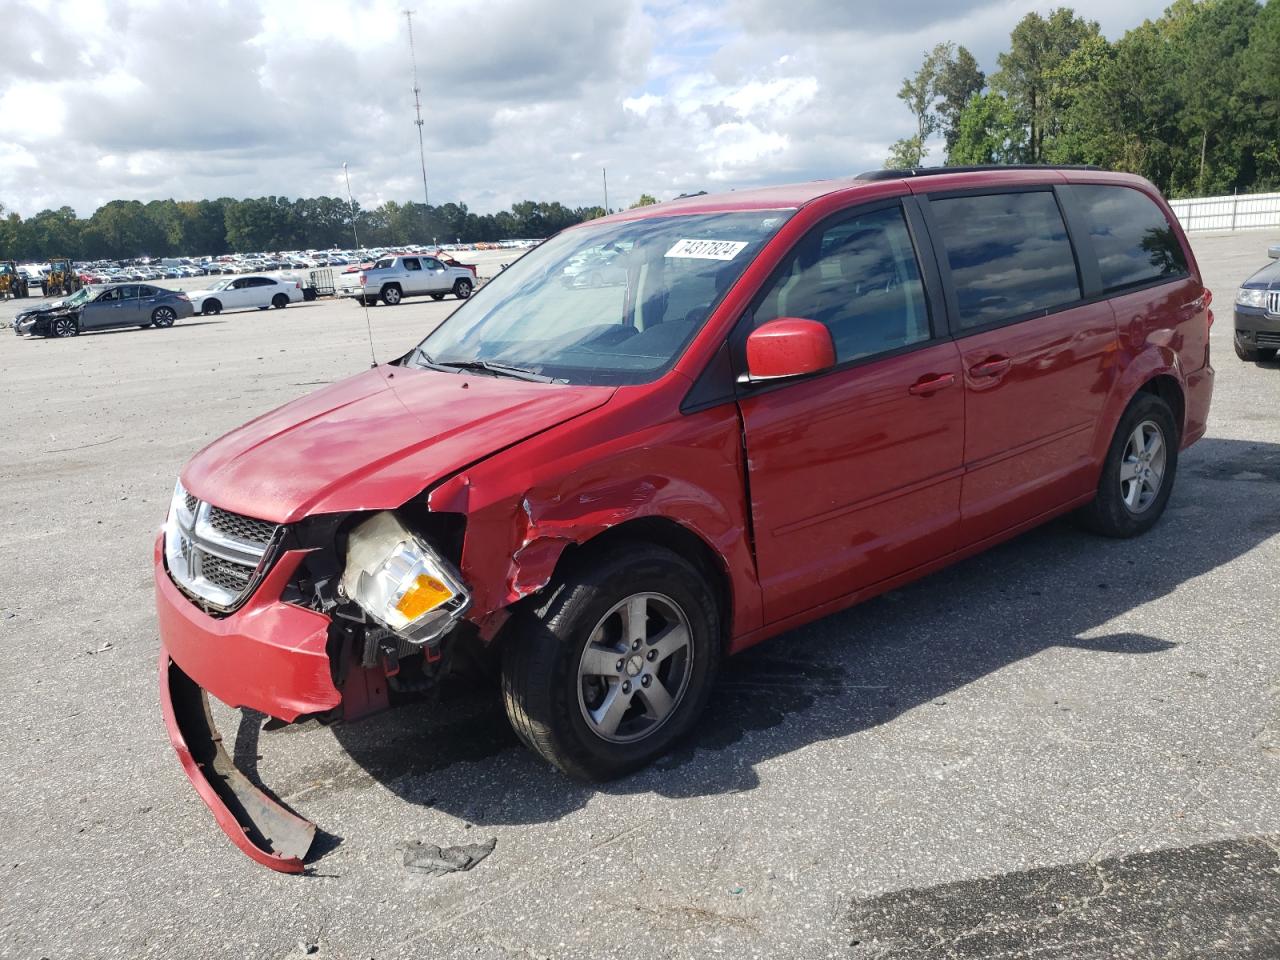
<point x="1064" y="747"/>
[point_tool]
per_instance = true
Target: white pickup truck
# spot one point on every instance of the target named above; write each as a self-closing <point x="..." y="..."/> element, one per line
<point x="391" y="279"/>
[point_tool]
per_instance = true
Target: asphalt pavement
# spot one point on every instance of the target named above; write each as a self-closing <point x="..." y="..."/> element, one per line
<point x="1066" y="747"/>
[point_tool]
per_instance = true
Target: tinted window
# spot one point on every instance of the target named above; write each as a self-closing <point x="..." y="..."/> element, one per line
<point x="145" y="292"/>
<point x="1009" y="255"/>
<point x="262" y="282"/>
<point x="1133" y="240"/>
<point x="859" y="277"/>
<point x="431" y="264"/>
<point x="411" y="263"/>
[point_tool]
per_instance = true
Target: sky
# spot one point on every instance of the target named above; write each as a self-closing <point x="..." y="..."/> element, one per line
<point x="522" y="99"/>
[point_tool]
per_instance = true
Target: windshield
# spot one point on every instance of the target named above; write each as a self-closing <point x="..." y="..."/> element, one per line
<point x="83" y="295"/>
<point x="221" y="285"/>
<point x="608" y="304"/>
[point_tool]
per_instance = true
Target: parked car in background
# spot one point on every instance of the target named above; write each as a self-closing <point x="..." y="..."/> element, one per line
<point x="243" y="293"/>
<point x="102" y="308"/>
<point x="391" y="279"/>
<point x="1257" y="313"/>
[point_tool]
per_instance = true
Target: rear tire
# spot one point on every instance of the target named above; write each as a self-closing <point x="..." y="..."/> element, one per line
<point x="163" y="317"/>
<point x="437" y="296"/>
<point x="1143" y="454"/>
<point x="599" y="689"/>
<point x="280" y="301"/>
<point x="391" y="295"/>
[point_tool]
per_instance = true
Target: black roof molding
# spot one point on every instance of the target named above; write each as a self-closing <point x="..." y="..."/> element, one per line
<point x="911" y="172"/>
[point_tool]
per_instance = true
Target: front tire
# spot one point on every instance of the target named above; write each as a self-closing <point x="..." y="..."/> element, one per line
<point x="64" y="327"/>
<point x="1138" y="473"/>
<point x="1253" y="354"/>
<point x="462" y="289"/>
<point x="616" y="664"/>
<point x="211" y="308"/>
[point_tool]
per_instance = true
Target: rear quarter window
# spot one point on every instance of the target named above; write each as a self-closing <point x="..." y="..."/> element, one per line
<point x="1008" y="254"/>
<point x="1133" y="240"/>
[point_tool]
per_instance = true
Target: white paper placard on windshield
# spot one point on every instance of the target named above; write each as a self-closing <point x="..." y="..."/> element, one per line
<point x="707" y="249"/>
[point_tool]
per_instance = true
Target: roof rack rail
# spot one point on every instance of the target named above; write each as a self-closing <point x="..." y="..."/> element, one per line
<point x="872" y="175"/>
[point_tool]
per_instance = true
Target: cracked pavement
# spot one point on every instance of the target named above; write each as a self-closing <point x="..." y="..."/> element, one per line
<point x="945" y="771"/>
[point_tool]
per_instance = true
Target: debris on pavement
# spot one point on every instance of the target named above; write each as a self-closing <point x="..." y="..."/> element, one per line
<point x="430" y="859"/>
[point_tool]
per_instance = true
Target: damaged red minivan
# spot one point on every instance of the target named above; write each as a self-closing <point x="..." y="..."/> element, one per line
<point x="668" y="434"/>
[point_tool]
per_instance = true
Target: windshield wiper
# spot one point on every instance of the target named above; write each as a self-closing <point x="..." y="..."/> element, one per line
<point x="492" y="366"/>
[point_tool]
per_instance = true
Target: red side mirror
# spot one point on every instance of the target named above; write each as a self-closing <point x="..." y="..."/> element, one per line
<point x="788" y="347"/>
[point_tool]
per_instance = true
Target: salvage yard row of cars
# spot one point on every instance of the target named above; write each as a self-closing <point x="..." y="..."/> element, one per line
<point x="142" y="305"/>
<point x="766" y="406"/>
<point x="174" y="268"/>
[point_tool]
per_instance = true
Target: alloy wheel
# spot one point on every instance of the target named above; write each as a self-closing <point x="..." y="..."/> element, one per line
<point x="635" y="668"/>
<point x="1142" y="466"/>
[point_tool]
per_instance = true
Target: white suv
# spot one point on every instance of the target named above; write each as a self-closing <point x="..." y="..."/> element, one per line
<point x="391" y="279"/>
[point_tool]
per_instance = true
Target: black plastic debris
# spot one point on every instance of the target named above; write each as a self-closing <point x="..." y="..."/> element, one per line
<point x="430" y="859"/>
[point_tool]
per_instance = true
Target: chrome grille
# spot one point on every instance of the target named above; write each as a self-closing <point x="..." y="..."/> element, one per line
<point x="214" y="555"/>
<point x="1273" y="302"/>
<point x="244" y="529"/>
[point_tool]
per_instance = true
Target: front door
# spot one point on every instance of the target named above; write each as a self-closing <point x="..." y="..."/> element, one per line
<point x="854" y="474"/>
<point x="1038" y="364"/>
<point x="436" y="276"/>
<point x="415" y="280"/>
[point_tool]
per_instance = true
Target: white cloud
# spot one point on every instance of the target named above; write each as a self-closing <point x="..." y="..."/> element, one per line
<point x="145" y="99"/>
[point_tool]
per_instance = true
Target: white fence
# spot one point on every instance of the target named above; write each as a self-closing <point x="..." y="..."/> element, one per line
<point x="1256" y="211"/>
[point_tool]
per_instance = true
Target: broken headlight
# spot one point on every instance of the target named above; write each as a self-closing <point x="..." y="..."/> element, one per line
<point x="400" y="582"/>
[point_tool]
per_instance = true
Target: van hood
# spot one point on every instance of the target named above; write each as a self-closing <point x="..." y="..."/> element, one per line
<point x="375" y="440"/>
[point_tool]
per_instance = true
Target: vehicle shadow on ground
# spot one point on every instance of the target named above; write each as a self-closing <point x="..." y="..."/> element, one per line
<point x="1054" y="587"/>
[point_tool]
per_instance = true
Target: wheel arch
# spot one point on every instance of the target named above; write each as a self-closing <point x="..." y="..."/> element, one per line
<point x="674" y="536"/>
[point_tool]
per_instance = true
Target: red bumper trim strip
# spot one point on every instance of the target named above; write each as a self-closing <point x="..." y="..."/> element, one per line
<point x="257" y="824"/>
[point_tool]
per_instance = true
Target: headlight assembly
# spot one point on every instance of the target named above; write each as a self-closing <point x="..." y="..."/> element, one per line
<point x="1249" y="297"/>
<point x="401" y="582"/>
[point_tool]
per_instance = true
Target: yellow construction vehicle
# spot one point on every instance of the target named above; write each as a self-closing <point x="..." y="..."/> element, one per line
<point x="61" y="278"/>
<point x="12" y="282"/>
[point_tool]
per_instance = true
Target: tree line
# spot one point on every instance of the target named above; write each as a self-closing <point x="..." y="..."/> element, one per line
<point x="1190" y="100"/>
<point x="125" y="229"/>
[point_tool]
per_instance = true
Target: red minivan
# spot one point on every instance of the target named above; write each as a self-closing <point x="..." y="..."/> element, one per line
<point x="771" y="405"/>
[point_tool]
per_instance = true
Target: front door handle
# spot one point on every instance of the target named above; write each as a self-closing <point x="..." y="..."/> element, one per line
<point x="991" y="367"/>
<point x="930" y="384"/>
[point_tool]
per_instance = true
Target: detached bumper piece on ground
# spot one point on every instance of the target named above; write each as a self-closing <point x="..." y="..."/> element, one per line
<point x="255" y="822"/>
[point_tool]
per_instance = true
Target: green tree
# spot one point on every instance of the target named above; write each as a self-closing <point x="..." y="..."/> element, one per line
<point x="987" y="131"/>
<point x="1037" y="48"/>
<point x="958" y="80"/>
<point x="646" y="200"/>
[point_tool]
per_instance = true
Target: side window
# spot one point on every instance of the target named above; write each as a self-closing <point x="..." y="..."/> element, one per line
<point x="239" y="284"/>
<point x="411" y="263"/>
<point x="860" y="278"/>
<point x="129" y="292"/>
<point x="1131" y="237"/>
<point x="145" y="292"/>
<point x="110" y="296"/>
<point x="262" y="282"/>
<point x="1009" y="255"/>
<point x="432" y="264"/>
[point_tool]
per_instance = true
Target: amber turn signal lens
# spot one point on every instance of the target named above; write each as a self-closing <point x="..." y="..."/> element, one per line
<point x="425" y="593"/>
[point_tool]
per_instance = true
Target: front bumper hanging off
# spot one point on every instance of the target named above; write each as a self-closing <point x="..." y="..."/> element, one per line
<point x="257" y="824"/>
